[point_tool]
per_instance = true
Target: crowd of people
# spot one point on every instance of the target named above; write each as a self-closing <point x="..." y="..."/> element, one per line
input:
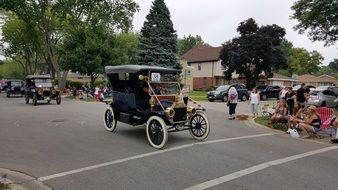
<point x="86" y="91"/>
<point x="291" y="109"/>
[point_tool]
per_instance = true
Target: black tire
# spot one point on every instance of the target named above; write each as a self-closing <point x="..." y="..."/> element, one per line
<point x="35" y="100"/>
<point x="48" y="101"/>
<point x="264" y="97"/>
<point x="224" y="98"/>
<point x="211" y="100"/>
<point x="244" y="98"/>
<point x="323" y="104"/>
<point x="199" y="126"/>
<point x="8" y="95"/>
<point x="109" y="120"/>
<point x="157" y="132"/>
<point x="27" y="99"/>
<point x="58" y="99"/>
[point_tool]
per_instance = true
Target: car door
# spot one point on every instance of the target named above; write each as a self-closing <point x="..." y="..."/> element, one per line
<point x="276" y="90"/>
<point x="329" y="98"/>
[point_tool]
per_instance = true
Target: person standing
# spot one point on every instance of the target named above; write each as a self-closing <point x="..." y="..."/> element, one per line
<point x="185" y="93"/>
<point x="290" y="98"/>
<point x="232" y="102"/>
<point x="254" y="101"/>
<point x="301" y="95"/>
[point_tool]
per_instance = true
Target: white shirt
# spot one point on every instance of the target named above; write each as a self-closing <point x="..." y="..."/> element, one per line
<point x="254" y="98"/>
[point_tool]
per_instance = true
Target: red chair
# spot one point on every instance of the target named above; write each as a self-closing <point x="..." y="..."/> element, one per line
<point x="326" y="115"/>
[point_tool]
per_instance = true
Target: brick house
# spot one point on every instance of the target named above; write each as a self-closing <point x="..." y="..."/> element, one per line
<point x="323" y="80"/>
<point x="281" y="80"/>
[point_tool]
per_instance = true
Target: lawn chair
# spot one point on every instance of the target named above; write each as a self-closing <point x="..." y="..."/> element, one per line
<point x="326" y="117"/>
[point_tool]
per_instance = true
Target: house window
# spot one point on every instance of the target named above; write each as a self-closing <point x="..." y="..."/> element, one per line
<point x="199" y="67"/>
<point x="188" y="73"/>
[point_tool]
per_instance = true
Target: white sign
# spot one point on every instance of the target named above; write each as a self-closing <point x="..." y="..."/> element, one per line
<point x="156" y="77"/>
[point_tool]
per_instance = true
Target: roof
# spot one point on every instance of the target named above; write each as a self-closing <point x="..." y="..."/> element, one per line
<point x="38" y="77"/>
<point x="280" y="77"/>
<point x="202" y="53"/>
<point x="312" y="78"/>
<point x="138" y="68"/>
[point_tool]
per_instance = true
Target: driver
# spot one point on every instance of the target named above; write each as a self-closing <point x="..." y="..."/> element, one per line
<point x="143" y="103"/>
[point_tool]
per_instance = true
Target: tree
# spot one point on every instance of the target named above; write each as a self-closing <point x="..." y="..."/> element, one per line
<point x="319" y="17"/>
<point x="257" y="50"/>
<point x="186" y="43"/>
<point x="333" y="65"/>
<point x="158" y="40"/>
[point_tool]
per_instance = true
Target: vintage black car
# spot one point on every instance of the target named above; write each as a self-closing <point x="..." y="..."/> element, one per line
<point x="151" y="96"/>
<point x="41" y="87"/>
<point x="14" y="87"/>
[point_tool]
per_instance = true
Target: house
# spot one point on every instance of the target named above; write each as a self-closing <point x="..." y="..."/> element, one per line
<point x="206" y="66"/>
<point x="281" y="80"/>
<point x="323" y="80"/>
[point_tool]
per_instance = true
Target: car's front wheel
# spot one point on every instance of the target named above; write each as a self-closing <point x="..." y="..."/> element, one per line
<point x="225" y="98"/>
<point x="58" y="99"/>
<point x="264" y="97"/>
<point x="109" y="120"/>
<point x="27" y="99"/>
<point x="199" y="126"/>
<point x="244" y="98"/>
<point x="157" y="132"/>
<point x="35" y="100"/>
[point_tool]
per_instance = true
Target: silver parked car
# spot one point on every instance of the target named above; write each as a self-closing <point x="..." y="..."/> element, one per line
<point x="323" y="98"/>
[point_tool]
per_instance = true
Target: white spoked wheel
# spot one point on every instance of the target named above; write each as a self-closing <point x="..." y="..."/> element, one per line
<point x="157" y="132"/>
<point x="109" y="120"/>
<point x="199" y="126"/>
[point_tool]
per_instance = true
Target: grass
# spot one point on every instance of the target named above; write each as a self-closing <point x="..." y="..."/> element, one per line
<point x="336" y="111"/>
<point x="198" y="95"/>
<point x="264" y="120"/>
<point x="4" y="186"/>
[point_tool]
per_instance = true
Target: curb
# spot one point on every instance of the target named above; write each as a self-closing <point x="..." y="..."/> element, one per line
<point x="21" y="181"/>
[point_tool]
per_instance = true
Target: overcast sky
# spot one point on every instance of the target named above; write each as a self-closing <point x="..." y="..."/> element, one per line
<point x="216" y="20"/>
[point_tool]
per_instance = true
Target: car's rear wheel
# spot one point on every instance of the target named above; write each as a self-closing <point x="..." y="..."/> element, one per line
<point x="35" y="100"/>
<point x="211" y="100"/>
<point x="224" y="98"/>
<point x="58" y="99"/>
<point x="109" y="120"/>
<point x="157" y="133"/>
<point x="244" y="98"/>
<point x="8" y="95"/>
<point x="199" y="126"/>
<point x="264" y="97"/>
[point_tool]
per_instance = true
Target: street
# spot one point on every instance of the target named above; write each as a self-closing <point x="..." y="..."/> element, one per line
<point x="66" y="147"/>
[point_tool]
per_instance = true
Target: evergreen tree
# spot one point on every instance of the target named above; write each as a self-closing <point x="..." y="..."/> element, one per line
<point x="158" y="41"/>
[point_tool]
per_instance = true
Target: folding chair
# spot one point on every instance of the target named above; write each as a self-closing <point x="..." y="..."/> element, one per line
<point x="326" y="116"/>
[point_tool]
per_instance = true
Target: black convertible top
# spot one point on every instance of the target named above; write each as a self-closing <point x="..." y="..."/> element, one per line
<point x="38" y="77"/>
<point x="138" y="68"/>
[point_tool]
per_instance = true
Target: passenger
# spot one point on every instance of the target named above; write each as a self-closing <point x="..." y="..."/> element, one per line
<point x="311" y="123"/>
<point x="296" y="117"/>
<point x="232" y="102"/>
<point x="280" y="112"/>
<point x="254" y="101"/>
<point x="143" y="100"/>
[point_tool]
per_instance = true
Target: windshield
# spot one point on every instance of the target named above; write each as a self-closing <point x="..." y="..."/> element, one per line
<point x="164" y="88"/>
<point x="222" y="88"/>
<point x="15" y="83"/>
<point x="43" y="82"/>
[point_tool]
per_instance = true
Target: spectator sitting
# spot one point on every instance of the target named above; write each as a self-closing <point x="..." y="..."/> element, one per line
<point x="311" y="123"/>
<point x="296" y="117"/>
<point x="280" y="112"/>
<point x="335" y="125"/>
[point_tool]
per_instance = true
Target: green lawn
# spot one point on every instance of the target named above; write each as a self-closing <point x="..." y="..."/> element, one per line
<point x="4" y="186"/>
<point x="198" y="95"/>
<point x="263" y="120"/>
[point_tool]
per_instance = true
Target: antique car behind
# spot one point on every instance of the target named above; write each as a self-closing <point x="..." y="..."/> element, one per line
<point x="151" y="96"/>
<point x="40" y="87"/>
<point x="14" y="87"/>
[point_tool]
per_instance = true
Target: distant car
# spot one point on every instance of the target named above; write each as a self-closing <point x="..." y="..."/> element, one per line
<point x="325" y="98"/>
<point x="221" y="93"/>
<point x="14" y="87"/>
<point x="321" y="88"/>
<point x="295" y="88"/>
<point x="334" y="89"/>
<point x="266" y="91"/>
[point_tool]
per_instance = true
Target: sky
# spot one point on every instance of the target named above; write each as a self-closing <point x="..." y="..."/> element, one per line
<point x="216" y="20"/>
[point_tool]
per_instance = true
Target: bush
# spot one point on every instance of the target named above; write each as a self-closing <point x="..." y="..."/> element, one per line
<point x="76" y="84"/>
<point x="98" y="82"/>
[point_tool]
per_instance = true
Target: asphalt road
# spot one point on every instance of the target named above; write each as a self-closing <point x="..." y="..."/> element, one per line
<point x="66" y="147"/>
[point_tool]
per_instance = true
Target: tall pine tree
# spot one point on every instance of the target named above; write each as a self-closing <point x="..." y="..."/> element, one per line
<point x="158" y="41"/>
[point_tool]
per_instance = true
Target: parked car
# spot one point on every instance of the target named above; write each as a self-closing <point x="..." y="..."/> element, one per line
<point x="41" y="87"/>
<point x="266" y="91"/>
<point x="334" y="89"/>
<point x="323" y="98"/>
<point x="221" y="93"/>
<point x="14" y="87"/>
